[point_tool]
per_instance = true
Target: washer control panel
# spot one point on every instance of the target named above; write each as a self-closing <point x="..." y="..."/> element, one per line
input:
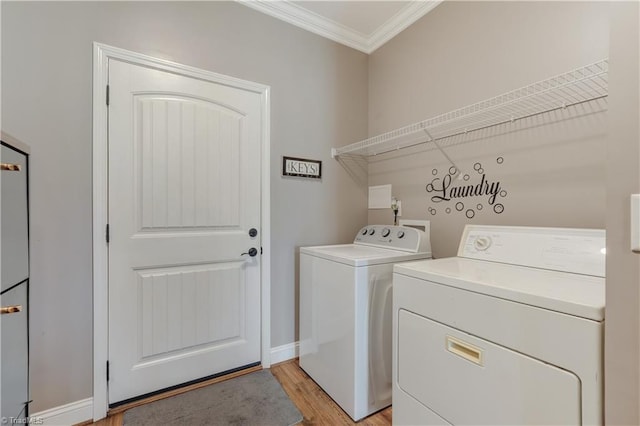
<point x="394" y="237"/>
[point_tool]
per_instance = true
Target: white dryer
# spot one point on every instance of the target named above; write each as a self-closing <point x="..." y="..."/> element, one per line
<point x="345" y="314"/>
<point x="508" y="332"/>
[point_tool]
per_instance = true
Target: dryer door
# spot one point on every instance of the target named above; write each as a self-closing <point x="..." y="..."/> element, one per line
<point x="467" y="380"/>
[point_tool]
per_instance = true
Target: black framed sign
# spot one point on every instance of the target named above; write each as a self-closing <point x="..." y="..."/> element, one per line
<point x="301" y="167"/>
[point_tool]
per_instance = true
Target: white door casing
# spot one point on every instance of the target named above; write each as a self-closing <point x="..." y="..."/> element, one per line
<point x="183" y="302"/>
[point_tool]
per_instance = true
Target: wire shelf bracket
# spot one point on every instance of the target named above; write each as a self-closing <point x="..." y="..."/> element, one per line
<point x="578" y="86"/>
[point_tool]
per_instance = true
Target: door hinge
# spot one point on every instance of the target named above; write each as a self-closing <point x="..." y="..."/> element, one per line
<point x="107" y="371"/>
<point x="107" y="95"/>
<point x="107" y="235"/>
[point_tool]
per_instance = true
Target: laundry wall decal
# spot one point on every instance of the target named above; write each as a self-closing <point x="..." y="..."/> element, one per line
<point x="457" y="189"/>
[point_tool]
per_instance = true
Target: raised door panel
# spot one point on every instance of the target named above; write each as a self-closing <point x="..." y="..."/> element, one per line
<point x="188" y="163"/>
<point x="183" y="309"/>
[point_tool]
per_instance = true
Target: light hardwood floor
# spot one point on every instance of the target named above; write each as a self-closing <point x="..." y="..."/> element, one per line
<point x="316" y="407"/>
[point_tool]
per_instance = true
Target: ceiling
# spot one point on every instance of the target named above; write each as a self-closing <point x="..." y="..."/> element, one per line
<point x="362" y="25"/>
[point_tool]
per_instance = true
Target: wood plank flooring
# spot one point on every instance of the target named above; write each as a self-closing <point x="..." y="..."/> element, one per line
<point x="317" y="407"/>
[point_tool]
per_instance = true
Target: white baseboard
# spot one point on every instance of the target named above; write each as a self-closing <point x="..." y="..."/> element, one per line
<point x="284" y="352"/>
<point x="65" y="415"/>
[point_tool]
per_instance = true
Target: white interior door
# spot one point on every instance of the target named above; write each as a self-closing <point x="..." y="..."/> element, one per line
<point x="184" y="191"/>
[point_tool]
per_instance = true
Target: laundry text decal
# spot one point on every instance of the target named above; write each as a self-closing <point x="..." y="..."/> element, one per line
<point x="456" y="186"/>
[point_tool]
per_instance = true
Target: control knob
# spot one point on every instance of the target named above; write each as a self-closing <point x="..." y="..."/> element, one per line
<point x="400" y="234"/>
<point x="386" y="232"/>
<point x="482" y="243"/>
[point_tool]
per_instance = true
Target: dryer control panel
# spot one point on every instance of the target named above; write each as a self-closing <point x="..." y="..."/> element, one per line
<point x="394" y="237"/>
<point x="580" y="251"/>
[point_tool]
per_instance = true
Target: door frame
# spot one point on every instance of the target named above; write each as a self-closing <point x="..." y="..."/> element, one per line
<point x="101" y="55"/>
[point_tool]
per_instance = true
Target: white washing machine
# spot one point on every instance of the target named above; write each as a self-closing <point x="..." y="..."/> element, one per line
<point x="508" y="332"/>
<point x="345" y="314"/>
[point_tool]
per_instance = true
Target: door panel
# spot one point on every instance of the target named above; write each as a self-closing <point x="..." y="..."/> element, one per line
<point x="187" y="165"/>
<point x="184" y="190"/>
<point x="181" y="308"/>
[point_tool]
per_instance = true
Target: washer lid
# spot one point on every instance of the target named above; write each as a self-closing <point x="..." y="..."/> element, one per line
<point x="573" y="294"/>
<point x="362" y="255"/>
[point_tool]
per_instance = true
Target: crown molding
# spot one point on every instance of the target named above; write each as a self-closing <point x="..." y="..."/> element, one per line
<point x="317" y="24"/>
<point x="310" y="21"/>
<point x="399" y="22"/>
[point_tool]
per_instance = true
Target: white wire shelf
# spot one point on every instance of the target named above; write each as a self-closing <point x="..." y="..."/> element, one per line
<point x="581" y="85"/>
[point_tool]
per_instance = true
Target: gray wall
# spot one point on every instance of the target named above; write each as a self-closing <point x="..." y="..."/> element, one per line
<point x="319" y="100"/>
<point x="460" y="53"/>
<point x="622" y="325"/>
<point x="464" y="52"/>
<point x="562" y="171"/>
